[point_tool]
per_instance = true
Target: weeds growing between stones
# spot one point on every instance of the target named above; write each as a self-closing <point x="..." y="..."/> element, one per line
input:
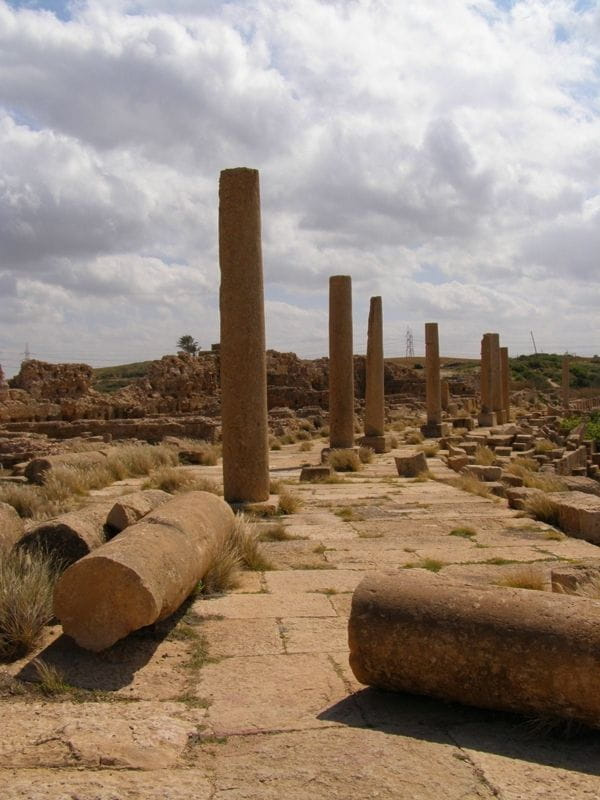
<point x="26" y="591"/>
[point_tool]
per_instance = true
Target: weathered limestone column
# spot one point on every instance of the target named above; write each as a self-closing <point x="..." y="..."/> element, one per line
<point x="243" y="360"/>
<point x="341" y="363"/>
<point x="566" y="380"/>
<point x="505" y="374"/>
<point x="487" y="417"/>
<point x="434" y="426"/>
<point x="496" y="370"/>
<point x="445" y="387"/>
<point x="524" y="651"/>
<point x="374" y="385"/>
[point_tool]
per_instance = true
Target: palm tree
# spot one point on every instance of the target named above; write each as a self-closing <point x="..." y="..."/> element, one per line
<point x="188" y="344"/>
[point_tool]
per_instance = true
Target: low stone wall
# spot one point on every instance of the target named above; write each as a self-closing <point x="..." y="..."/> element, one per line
<point x="150" y="429"/>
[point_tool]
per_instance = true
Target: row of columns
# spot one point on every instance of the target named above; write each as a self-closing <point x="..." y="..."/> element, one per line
<point x="243" y="354"/>
<point x="495" y="382"/>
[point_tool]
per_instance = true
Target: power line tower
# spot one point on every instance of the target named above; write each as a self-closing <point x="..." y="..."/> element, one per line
<point x="27" y="353"/>
<point x="410" y="345"/>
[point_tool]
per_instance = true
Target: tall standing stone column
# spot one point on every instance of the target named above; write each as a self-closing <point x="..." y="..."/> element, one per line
<point x="566" y="380"/>
<point x="243" y="359"/>
<point x="496" y="370"/>
<point x="445" y="388"/>
<point x="487" y="417"/>
<point x="505" y="373"/>
<point x="433" y="389"/>
<point x="341" y="363"/>
<point x="374" y="384"/>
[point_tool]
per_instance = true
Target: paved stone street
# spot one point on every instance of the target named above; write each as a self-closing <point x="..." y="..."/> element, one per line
<point x="250" y="695"/>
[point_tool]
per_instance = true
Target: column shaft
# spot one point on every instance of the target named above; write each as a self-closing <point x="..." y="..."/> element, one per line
<point x="341" y="363"/>
<point x="374" y="391"/>
<point x="242" y="351"/>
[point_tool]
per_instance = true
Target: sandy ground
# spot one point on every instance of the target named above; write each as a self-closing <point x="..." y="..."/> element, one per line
<point x="250" y="695"/>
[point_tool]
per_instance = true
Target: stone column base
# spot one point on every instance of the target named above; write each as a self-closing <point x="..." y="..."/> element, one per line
<point x="501" y="417"/>
<point x="435" y="430"/>
<point x="487" y="419"/>
<point x="265" y="508"/>
<point x="379" y="444"/>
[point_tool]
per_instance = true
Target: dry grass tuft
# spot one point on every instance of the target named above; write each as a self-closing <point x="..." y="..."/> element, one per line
<point x="393" y="442"/>
<point x="245" y="541"/>
<point x="521" y="465"/>
<point x="465" y="532"/>
<point x="472" y="484"/>
<point x="288" y="503"/>
<point x="177" y="479"/>
<point x="133" y="460"/>
<point x="413" y="437"/>
<point x="275" y="444"/>
<point x="306" y="446"/>
<point x="26" y="500"/>
<point x="526" y="577"/>
<point x="543" y="508"/>
<point x="422" y="477"/>
<point x="429" y="449"/>
<point x="240" y="549"/>
<point x="276" y="532"/>
<point x="544" y="481"/>
<point x="484" y="456"/>
<point x="205" y="453"/>
<point x="542" y="446"/>
<point x="431" y="564"/>
<point x="366" y="454"/>
<point x="344" y="460"/>
<point x="52" y="680"/>
<point x="26" y="590"/>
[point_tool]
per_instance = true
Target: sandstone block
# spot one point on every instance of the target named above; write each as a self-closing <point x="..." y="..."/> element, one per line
<point x="578" y="483"/>
<point x="411" y="466"/>
<point x="518" y="495"/>
<point x="11" y="526"/>
<point x="508" y="479"/>
<point x="316" y="473"/>
<point x="458" y="463"/>
<point x="469" y="447"/>
<point x="578" y="514"/>
<point x="132" y="507"/>
<point x="503" y="451"/>
<point x="379" y="444"/>
<point x="463" y="422"/>
<point x="574" y="577"/>
<point x="497" y="488"/>
<point x="487" y="646"/>
<point x="484" y="473"/>
<point x="144" y="573"/>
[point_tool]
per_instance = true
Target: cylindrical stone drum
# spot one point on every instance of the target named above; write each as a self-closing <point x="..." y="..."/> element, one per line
<point x="494" y="647"/>
<point x="144" y="573"/>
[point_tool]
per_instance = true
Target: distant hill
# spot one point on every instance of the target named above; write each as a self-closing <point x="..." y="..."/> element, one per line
<point x="110" y="379"/>
<point x="544" y="371"/>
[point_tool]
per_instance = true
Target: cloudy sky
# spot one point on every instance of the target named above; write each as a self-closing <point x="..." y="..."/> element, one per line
<point x="444" y="153"/>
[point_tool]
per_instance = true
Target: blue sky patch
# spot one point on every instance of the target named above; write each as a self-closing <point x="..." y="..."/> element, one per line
<point x="60" y="8"/>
